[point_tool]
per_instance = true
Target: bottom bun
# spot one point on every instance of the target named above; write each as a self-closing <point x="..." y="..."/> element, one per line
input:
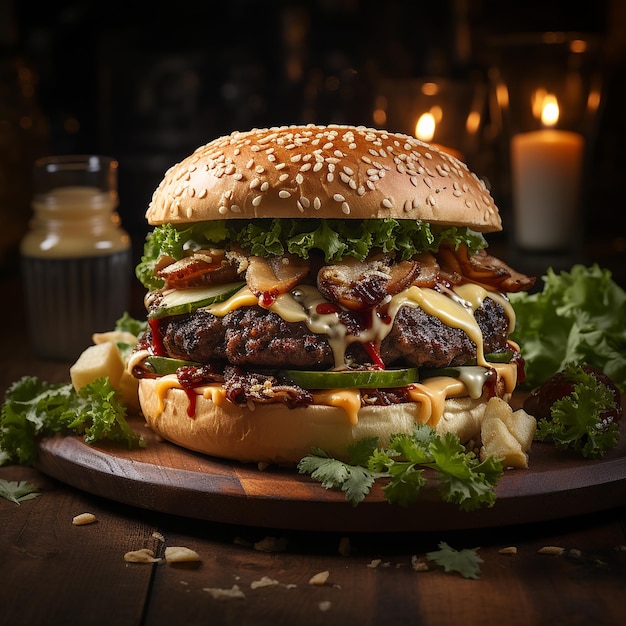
<point x="273" y="433"/>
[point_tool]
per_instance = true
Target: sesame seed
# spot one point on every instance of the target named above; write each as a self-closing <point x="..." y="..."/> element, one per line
<point x="299" y="178"/>
<point x="345" y="207"/>
<point x="387" y="203"/>
<point x="223" y="210"/>
<point x="283" y="177"/>
<point x="256" y="200"/>
<point x="254" y="183"/>
<point x="330" y="177"/>
<point x="265" y="186"/>
<point x="318" y="166"/>
<point x="284" y="194"/>
<point x="338" y="198"/>
<point x="317" y="203"/>
<point x="305" y="202"/>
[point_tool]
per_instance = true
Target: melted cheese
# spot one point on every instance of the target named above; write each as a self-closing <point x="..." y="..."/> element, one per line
<point x="474" y="295"/>
<point x="244" y="297"/>
<point x="450" y="311"/>
<point x="430" y="394"/>
<point x="347" y="399"/>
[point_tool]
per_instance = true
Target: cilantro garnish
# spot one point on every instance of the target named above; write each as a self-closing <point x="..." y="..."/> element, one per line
<point x="465" y="562"/>
<point x="576" y="419"/>
<point x="17" y="492"/>
<point x="462" y="478"/>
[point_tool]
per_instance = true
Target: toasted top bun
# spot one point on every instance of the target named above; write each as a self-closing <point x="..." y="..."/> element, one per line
<point x="343" y="172"/>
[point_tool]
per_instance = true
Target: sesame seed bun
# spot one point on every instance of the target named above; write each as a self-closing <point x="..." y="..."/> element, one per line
<point x="276" y="434"/>
<point x="331" y="171"/>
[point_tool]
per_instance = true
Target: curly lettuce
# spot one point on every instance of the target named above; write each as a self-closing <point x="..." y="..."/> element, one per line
<point x="336" y="239"/>
<point x="579" y="317"/>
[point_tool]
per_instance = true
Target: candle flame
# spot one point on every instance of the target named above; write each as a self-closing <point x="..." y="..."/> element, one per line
<point x="550" y="110"/>
<point x="425" y="127"/>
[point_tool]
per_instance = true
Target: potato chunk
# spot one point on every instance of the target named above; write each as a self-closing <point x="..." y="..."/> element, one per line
<point x="97" y="361"/>
<point x="505" y="434"/>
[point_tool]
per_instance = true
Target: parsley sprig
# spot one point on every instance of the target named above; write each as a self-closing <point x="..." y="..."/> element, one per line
<point x="34" y="408"/>
<point x="462" y="478"/>
<point x="576" y="419"/>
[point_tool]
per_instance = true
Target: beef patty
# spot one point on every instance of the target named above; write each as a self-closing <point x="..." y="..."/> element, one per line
<point x="253" y="337"/>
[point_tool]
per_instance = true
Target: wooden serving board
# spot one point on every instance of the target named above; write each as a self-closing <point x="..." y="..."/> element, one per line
<point x="164" y="477"/>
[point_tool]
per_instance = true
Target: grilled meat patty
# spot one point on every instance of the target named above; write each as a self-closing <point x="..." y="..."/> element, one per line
<point x="253" y="337"/>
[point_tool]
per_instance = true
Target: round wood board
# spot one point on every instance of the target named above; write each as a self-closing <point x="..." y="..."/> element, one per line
<point x="164" y="477"/>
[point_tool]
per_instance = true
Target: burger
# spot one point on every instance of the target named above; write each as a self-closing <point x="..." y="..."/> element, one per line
<point x="310" y="286"/>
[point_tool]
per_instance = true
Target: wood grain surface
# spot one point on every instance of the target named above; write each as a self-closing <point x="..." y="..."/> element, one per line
<point x="164" y="477"/>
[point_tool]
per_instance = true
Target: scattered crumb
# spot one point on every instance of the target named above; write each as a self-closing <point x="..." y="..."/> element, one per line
<point x="265" y="581"/>
<point x="344" y="546"/>
<point x="179" y="554"/>
<point x="374" y="563"/>
<point x="419" y="565"/>
<point x="320" y="578"/>
<point x="84" y="518"/>
<point x="552" y="550"/>
<point x="225" y="594"/>
<point x="271" y="544"/>
<point x="324" y="605"/>
<point x="263" y="465"/>
<point x="508" y="550"/>
<point x="143" y="555"/>
<point x="159" y="537"/>
<point x="620" y="548"/>
<point x="575" y="553"/>
<point x="184" y="582"/>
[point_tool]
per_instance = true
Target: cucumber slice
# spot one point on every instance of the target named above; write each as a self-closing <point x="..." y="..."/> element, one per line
<point x="495" y="357"/>
<point x="179" y="301"/>
<point x="163" y="365"/>
<point x="360" y="379"/>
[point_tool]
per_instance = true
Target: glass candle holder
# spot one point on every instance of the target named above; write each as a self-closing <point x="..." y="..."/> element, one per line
<point x="441" y="111"/>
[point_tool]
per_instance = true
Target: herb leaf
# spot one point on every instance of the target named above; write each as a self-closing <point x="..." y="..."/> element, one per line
<point x="334" y="238"/>
<point x="579" y="317"/>
<point x="462" y="479"/>
<point x="465" y="562"/>
<point x="35" y="408"/>
<point x="17" y="492"/>
<point x="576" y="420"/>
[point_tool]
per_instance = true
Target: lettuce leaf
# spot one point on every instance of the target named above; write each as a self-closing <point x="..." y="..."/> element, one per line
<point x="336" y="239"/>
<point x="579" y="317"/>
<point x="35" y="408"/>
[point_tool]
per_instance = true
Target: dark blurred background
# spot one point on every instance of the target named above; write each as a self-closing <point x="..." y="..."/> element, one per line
<point x="149" y="82"/>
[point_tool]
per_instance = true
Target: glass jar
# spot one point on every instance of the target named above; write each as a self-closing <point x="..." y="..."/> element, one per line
<point x="76" y="258"/>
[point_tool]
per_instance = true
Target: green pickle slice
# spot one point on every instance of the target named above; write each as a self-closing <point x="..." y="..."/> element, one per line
<point x="360" y="379"/>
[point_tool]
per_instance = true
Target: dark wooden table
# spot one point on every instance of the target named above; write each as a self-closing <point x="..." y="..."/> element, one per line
<point x="53" y="572"/>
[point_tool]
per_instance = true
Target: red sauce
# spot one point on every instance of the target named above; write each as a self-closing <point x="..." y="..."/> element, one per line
<point x="374" y="354"/>
<point x="268" y="298"/>
<point x="157" y="338"/>
<point x="326" y="308"/>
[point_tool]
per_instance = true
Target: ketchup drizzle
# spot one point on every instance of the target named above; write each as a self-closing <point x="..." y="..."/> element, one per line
<point x="157" y="338"/>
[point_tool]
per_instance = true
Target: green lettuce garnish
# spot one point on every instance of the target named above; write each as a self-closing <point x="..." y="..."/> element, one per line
<point x="579" y="317"/>
<point x="35" y="408"/>
<point x="336" y="239"/>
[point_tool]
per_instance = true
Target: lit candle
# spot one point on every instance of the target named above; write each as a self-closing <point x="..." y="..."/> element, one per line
<point x="547" y="170"/>
<point x="425" y="131"/>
